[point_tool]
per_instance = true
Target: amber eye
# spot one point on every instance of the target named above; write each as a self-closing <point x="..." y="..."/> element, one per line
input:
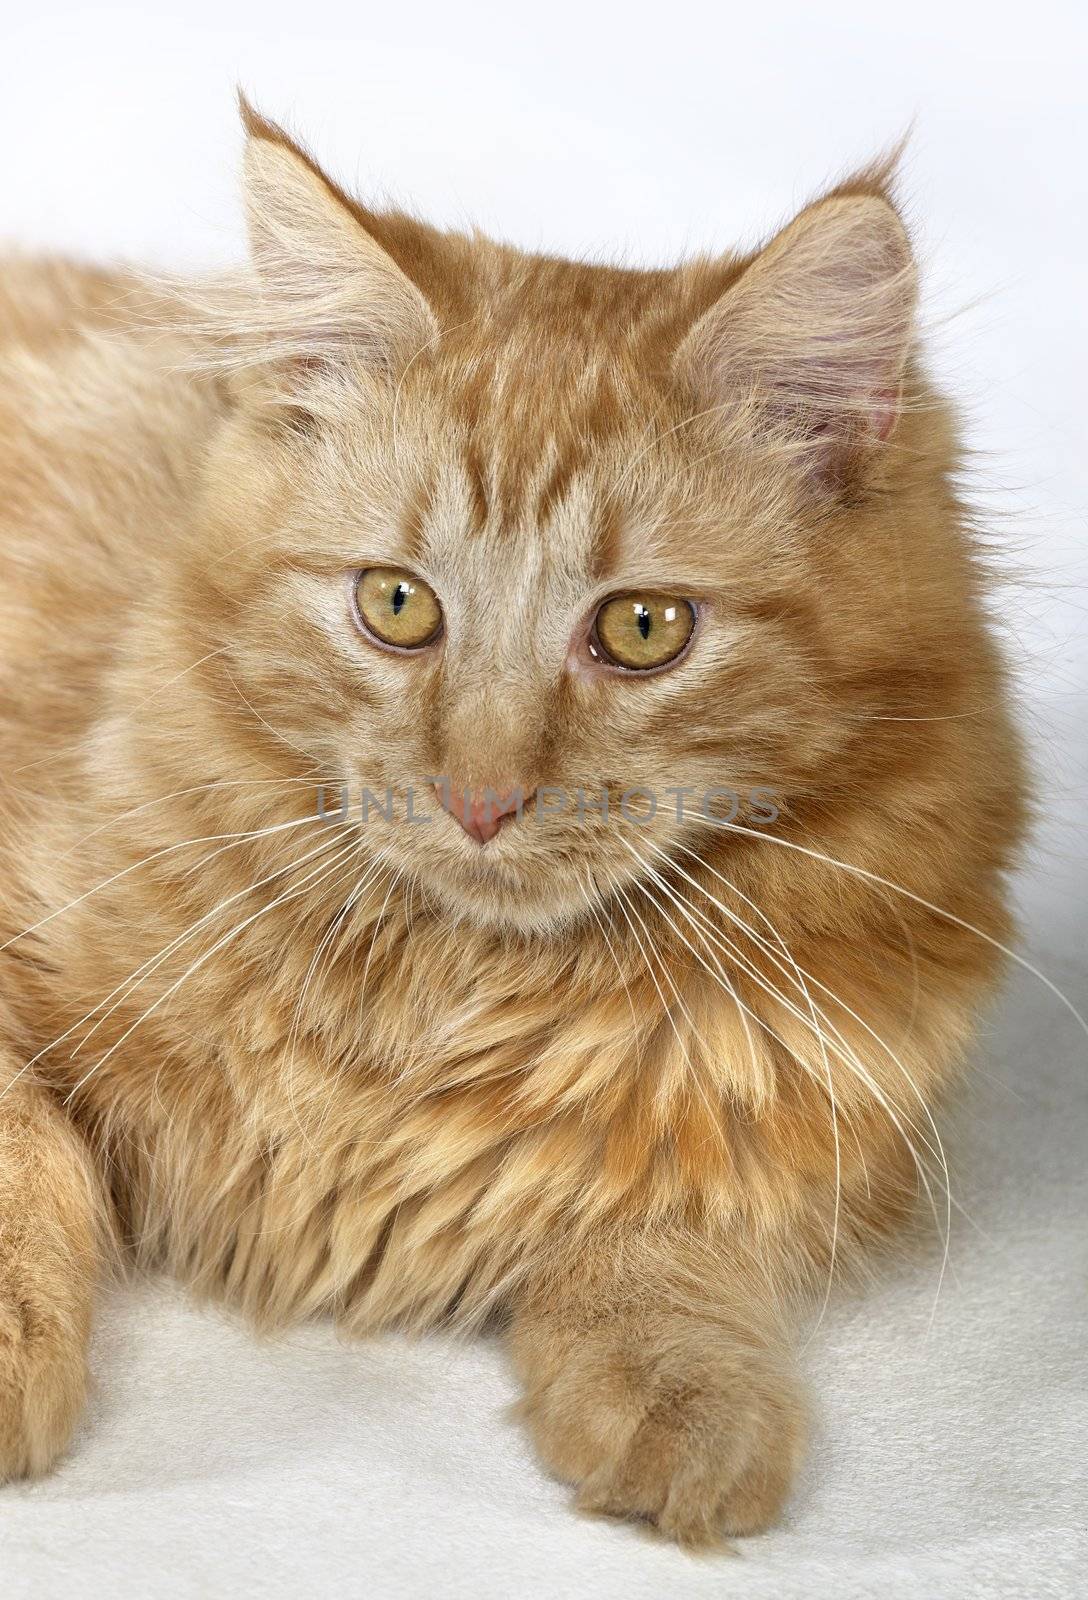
<point x="643" y="631"/>
<point x="397" y="608"/>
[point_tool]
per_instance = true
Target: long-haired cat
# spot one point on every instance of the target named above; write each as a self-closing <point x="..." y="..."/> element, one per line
<point x="415" y="513"/>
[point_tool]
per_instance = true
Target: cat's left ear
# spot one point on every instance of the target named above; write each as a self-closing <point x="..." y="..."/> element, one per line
<point x="809" y="344"/>
<point x="329" y="291"/>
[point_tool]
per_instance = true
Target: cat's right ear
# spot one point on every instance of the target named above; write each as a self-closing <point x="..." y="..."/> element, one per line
<point x="329" y="293"/>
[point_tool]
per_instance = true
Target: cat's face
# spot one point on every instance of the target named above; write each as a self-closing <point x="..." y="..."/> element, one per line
<point x="530" y="547"/>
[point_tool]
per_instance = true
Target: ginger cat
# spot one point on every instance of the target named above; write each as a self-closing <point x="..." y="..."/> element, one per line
<point x="480" y="531"/>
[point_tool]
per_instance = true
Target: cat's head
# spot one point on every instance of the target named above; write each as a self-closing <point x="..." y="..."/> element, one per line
<point x="519" y="522"/>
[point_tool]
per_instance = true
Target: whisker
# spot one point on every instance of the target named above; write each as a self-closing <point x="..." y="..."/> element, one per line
<point x="601" y="924"/>
<point x="52" y="1045"/>
<point x="694" y="1076"/>
<point x="152" y="964"/>
<point x="198" y="788"/>
<point x="183" y="844"/>
<point x="821" y="1042"/>
<point x="742" y="1010"/>
<point x="898" y="888"/>
<point x="375" y="870"/>
<point x="322" y="871"/>
<point x="326" y="942"/>
<point x="746" y="928"/>
<point x="850" y="1058"/>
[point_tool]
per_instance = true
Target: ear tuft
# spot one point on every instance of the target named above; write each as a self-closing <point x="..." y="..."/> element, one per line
<point x="878" y="179"/>
<point x="252" y="120"/>
<point x="814" y="335"/>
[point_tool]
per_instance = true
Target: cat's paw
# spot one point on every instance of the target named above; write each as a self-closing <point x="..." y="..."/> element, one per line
<point x="43" y="1380"/>
<point x="700" y="1439"/>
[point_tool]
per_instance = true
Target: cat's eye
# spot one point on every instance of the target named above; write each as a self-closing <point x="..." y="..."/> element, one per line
<point x="643" y="631"/>
<point x="397" y="608"/>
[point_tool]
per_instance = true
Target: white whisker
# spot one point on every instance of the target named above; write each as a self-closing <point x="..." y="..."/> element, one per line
<point x="126" y="982"/>
<point x="587" y="896"/>
<point x="322" y="871"/>
<point x="898" y="888"/>
<point x="821" y="1042"/>
<point x="152" y="964"/>
<point x="157" y="855"/>
<point x="695" y="1077"/>
<point x="847" y="1053"/>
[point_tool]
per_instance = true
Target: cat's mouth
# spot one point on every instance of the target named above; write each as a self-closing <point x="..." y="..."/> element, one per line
<point x="508" y="852"/>
<point x="522" y="861"/>
<point x="527" y="877"/>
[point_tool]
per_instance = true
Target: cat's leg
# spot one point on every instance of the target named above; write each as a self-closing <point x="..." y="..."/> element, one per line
<point x="52" y="1226"/>
<point x="657" y="1381"/>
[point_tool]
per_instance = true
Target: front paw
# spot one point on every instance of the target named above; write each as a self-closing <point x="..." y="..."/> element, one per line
<point x="694" y="1432"/>
<point x="42" y="1380"/>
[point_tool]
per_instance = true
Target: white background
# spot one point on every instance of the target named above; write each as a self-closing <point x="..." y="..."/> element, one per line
<point x="636" y="133"/>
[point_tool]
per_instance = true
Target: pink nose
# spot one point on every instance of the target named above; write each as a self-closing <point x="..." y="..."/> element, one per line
<point x="481" y="812"/>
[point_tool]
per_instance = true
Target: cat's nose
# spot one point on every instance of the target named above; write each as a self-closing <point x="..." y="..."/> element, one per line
<point x="481" y="812"/>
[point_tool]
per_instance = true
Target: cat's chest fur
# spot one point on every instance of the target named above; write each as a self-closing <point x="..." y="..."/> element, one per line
<point x="391" y="1133"/>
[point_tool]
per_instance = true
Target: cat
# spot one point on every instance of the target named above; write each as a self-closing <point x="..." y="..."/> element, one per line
<point x="416" y="513"/>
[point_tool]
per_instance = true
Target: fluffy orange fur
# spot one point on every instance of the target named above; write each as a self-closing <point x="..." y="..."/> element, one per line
<point x="637" y="1086"/>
